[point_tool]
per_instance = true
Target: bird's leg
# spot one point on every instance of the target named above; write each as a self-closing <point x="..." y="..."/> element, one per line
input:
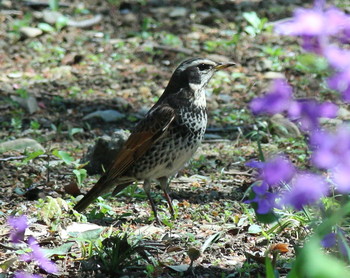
<point x="147" y="188"/>
<point x="165" y="187"/>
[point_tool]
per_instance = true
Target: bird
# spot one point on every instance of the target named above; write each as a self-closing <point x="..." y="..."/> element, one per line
<point x="165" y="139"/>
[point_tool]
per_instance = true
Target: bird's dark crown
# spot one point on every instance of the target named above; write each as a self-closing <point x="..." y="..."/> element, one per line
<point x="189" y="79"/>
<point x="196" y="71"/>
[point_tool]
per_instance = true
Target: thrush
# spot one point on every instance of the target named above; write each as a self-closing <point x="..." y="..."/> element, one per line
<point x="165" y="139"/>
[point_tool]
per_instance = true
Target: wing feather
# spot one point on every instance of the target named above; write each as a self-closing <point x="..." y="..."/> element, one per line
<point x="145" y="134"/>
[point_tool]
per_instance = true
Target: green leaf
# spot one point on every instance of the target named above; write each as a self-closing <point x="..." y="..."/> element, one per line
<point x="61" y="22"/>
<point x="80" y="175"/>
<point x="22" y="93"/>
<point x="250" y="30"/>
<point x="64" y="156"/>
<point x="46" y="27"/>
<point x="254" y="229"/>
<point x="33" y="155"/>
<point x="270" y="273"/>
<point x="252" y="19"/>
<point x="311" y="63"/>
<point x="5" y="265"/>
<point x="52" y="209"/>
<point x="75" y="130"/>
<point x="54" y="4"/>
<point x="210" y="240"/>
<point x="314" y="263"/>
<point x="59" y="250"/>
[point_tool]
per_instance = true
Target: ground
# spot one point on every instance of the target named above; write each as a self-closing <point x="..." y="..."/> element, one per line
<point x="123" y="63"/>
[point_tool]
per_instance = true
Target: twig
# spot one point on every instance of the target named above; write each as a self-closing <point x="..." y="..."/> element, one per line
<point x="216" y="140"/>
<point x="11" y="12"/>
<point x="85" y="23"/>
<point x="233" y="172"/>
<point x="43" y="4"/>
<point x="21" y="157"/>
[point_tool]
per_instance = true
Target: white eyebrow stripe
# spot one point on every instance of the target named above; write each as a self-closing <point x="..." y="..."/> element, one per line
<point x="196" y="63"/>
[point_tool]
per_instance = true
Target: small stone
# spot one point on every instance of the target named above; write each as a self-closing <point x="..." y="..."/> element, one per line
<point x="145" y="91"/>
<point x="29" y="103"/>
<point x="21" y="145"/>
<point x="30" y="32"/>
<point x="178" y="12"/>
<point x="273" y="75"/>
<point x="129" y="19"/>
<point x="15" y="75"/>
<point x="106" y="115"/>
<point x="101" y="155"/>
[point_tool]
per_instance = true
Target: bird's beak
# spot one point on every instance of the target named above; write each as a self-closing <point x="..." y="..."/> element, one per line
<point x="221" y="66"/>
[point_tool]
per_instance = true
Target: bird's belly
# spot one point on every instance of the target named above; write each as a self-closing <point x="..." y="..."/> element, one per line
<point x="175" y="148"/>
<point x="167" y="156"/>
<point x="176" y="160"/>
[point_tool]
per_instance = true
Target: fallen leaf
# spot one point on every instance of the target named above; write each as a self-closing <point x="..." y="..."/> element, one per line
<point x="179" y="268"/>
<point x="279" y="247"/>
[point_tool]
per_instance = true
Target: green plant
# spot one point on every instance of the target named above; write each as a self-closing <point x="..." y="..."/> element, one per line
<point x="16" y="25"/>
<point x="257" y="25"/>
<point x="171" y="39"/>
<point x="311" y="63"/>
<point x="16" y="123"/>
<point x="117" y="254"/>
<point x="225" y="44"/>
<point x="34" y="125"/>
<point x="79" y="172"/>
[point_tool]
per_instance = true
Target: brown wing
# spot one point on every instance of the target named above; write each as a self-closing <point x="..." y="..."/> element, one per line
<point x="145" y="134"/>
<point x="141" y="139"/>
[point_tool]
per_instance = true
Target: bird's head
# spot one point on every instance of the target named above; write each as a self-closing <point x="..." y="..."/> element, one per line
<point x="193" y="75"/>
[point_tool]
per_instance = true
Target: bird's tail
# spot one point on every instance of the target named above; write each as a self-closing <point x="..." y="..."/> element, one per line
<point x="102" y="186"/>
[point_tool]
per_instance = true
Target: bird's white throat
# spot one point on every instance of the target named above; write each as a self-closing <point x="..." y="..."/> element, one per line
<point x="199" y="95"/>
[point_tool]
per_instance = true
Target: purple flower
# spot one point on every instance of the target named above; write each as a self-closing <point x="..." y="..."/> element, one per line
<point x="272" y="173"/>
<point x="306" y="22"/>
<point x="19" y="225"/>
<point x="337" y="58"/>
<point x="341" y="174"/>
<point x="315" y="22"/>
<point x="338" y="238"/>
<point x="329" y="240"/>
<point x="275" y="101"/>
<point x="312" y="44"/>
<point x="336" y="21"/>
<point x="26" y="275"/>
<point x="341" y="82"/>
<point x="308" y="112"/>
<point x="263" y="198"/>
<point x="306" y="189"/>
<point x="278" y="169"/>
<point x="315" y="25"/>
<point x="255" y="164"/>
<point x="37" y="255"/>
<point x="330" y="149"/>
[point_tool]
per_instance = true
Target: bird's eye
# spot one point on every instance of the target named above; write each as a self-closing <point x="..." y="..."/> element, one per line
<point x="203" y="67"/>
